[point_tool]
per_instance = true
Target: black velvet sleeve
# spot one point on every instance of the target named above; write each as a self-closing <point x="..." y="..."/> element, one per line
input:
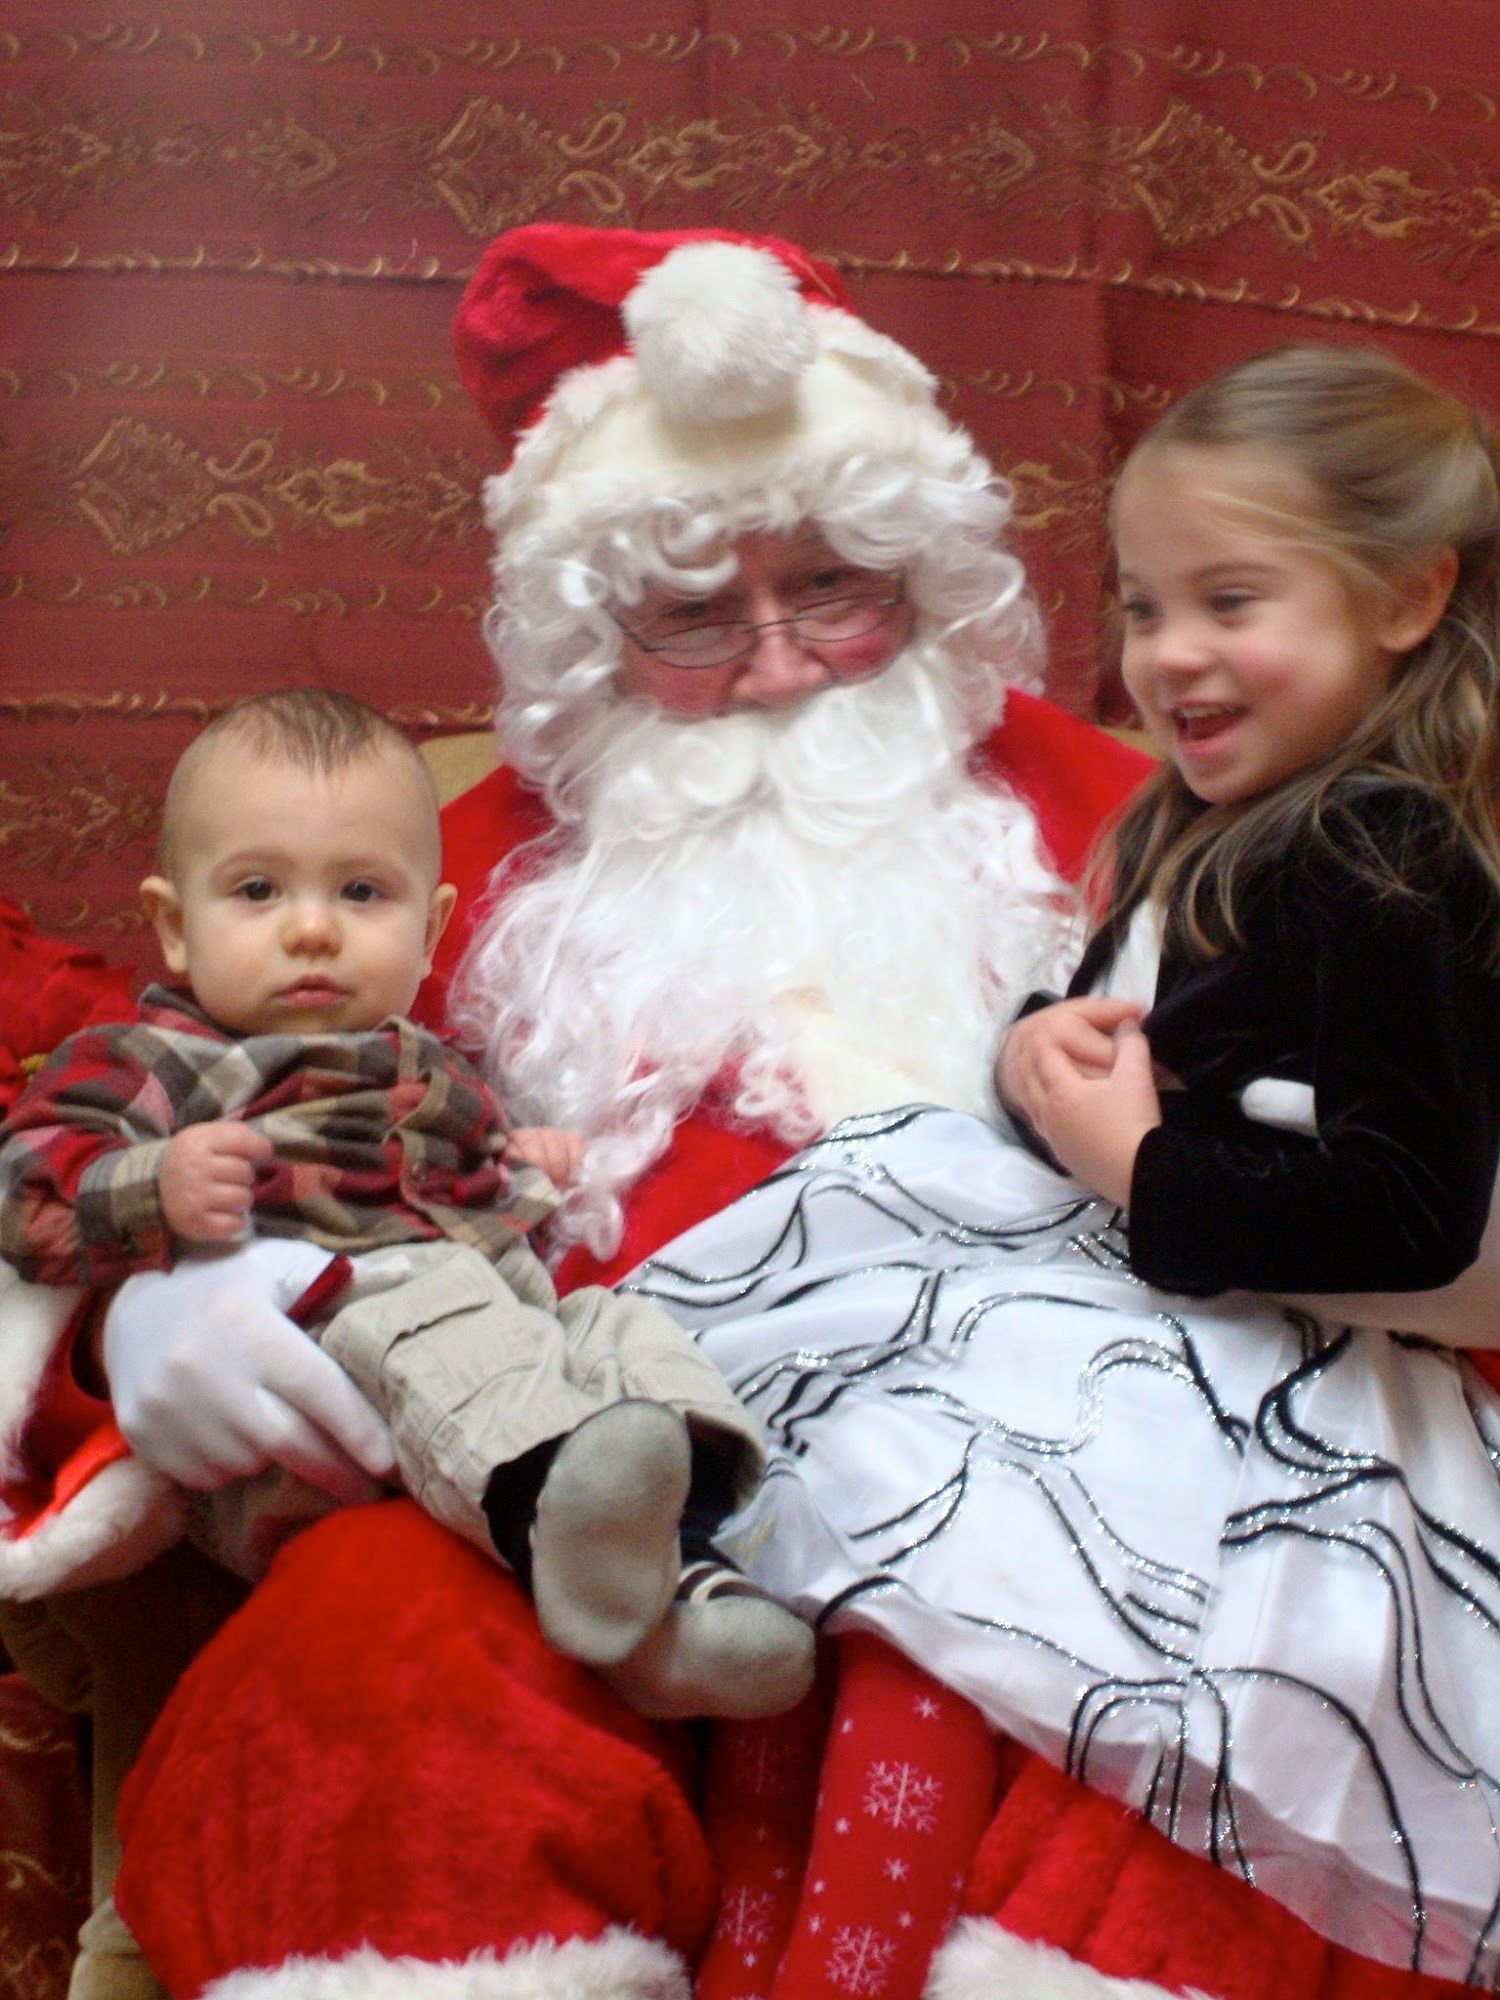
<point x="1387" y="1005"/>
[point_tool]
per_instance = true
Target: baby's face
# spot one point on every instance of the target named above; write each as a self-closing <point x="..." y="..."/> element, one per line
<point x="303" y="902"/>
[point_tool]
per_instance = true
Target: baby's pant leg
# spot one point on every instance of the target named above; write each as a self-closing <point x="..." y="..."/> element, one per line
<point x="469" y="1364"/>
<point x="622" y="1346"/>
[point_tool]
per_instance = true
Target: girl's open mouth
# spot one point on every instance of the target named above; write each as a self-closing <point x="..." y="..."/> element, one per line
<point x="1202" y="725"/>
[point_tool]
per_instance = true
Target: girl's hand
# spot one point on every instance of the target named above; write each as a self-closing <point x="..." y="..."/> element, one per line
<point x="1094" y="1120"/>
<point x="1082" y="1031"/>
<point x="557" y="1153"/>
<point x="207" y="1180"/>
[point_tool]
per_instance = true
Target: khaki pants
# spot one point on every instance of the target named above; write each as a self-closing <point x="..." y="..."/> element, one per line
<point x="473" y="1363"/>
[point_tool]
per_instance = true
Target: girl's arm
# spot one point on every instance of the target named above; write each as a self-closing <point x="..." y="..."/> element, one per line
<point x="1393" y="1190"/>
<point x="1464" y="1314"/>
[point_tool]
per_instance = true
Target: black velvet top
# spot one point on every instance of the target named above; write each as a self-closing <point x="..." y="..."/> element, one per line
<point x="1387" y="1005"/>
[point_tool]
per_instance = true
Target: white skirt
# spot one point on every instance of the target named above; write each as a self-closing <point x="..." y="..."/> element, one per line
<point x="1235" y="1566"/>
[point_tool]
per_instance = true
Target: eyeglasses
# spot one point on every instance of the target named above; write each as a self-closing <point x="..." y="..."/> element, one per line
<point x="826" y="622"/>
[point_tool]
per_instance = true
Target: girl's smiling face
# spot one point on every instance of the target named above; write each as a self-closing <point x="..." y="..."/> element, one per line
<point x="1248" y="654"/>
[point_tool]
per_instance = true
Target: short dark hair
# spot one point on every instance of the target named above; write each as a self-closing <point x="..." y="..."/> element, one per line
<point x="317" y="729"/>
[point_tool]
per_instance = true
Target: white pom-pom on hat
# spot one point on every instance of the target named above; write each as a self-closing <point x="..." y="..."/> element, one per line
<point x="719" y="332"/>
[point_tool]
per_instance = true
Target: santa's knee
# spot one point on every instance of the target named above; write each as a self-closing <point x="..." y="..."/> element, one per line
<point x="379" y="1770"/>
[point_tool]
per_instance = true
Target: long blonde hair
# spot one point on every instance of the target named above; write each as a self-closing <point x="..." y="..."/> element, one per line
<point x="1402" y="471"/>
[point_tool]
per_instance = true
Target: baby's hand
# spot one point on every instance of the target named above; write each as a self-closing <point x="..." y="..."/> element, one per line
<point x="208" y="1178"/>
<point x="1081" y="1032"/>
<point x="558" y="1154"/>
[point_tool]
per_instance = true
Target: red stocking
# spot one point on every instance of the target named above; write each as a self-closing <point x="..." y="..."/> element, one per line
<point x="909" y="1782"/>
<point x="760" y="1788"/>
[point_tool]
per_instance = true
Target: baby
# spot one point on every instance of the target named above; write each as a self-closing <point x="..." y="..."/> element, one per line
<point x="281" y="1087"/>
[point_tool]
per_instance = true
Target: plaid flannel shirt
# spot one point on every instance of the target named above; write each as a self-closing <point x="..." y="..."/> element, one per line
<point x="384" y="1136"/>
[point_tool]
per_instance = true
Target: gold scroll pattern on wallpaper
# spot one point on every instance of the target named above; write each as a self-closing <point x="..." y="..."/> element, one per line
<point x="1190" y="177"/>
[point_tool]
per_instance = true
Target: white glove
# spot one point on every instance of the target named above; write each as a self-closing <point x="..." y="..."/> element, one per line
<point x="212" y="1382"/>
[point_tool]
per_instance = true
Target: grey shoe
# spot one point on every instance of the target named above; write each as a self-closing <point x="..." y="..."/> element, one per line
<point x="604" y="1551"/>
<point x="724" y="1648"/>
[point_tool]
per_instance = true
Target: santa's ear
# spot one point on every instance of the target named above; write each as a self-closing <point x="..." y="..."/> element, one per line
<point x="1419" y="597"/>
<point x="439" y="910"/>
<point x="163" y="907"/>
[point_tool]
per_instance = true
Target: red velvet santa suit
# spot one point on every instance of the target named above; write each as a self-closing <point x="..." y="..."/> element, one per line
<point x="380" y="1768"/>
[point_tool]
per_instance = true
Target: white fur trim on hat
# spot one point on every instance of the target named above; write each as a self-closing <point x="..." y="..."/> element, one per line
<point x="719" y="331"/>
<point x="605" y="443"/>
<point x="980" y="1961"/>
<point x="619" y="1965"/>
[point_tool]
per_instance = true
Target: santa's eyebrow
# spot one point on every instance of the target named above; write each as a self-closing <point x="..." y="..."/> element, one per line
<point x="684" y="608"/>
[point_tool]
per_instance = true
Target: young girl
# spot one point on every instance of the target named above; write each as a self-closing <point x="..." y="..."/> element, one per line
<point x="1234" y="1562"/>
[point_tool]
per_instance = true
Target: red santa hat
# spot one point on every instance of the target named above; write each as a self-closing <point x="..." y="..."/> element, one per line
<point x="612" y="362"/>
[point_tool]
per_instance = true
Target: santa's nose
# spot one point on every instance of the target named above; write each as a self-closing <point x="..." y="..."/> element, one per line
<point x="779" y="668"/>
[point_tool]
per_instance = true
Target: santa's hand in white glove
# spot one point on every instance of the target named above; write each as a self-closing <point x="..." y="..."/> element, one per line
<point x="211" y="1381"/>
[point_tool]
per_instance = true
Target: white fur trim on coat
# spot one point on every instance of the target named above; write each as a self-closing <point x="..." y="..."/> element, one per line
<point x="980" y="1961"/>
<point x="617" y="1966"/>
<point x="125" y="1515"/>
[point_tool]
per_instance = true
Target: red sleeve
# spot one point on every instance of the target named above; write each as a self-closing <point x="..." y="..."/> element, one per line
<point x="1072" y="774"/>
<point x="48" y="990"/>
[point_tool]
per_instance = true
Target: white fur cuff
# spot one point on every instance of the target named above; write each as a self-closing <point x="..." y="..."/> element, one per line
<point x="617" y="1966"/>
<point x="981" y="1961"/>
<point x="125" y="1517"/>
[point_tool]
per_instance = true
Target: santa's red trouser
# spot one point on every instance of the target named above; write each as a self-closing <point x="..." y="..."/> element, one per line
<point x="378" y="1771"/>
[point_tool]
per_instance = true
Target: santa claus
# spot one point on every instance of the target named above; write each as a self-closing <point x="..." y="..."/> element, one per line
<point x="777" y="838"/>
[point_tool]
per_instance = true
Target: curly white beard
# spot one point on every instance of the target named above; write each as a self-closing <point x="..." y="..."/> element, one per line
<point x="817" y="910"/>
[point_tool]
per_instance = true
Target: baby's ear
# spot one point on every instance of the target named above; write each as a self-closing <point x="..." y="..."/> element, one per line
<point x="1418" y="601"/>
<point x="163" y="907"/>
<point x="439" y="910"/>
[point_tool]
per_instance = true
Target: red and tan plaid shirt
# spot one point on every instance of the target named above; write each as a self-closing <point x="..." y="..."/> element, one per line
<point x="385" y="1136"/>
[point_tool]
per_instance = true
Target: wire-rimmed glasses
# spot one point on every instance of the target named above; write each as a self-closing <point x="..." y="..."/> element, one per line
<point x="822" y="622"/>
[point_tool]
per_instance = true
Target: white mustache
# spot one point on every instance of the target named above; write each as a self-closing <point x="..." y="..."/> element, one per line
<point x="834" y="764"/>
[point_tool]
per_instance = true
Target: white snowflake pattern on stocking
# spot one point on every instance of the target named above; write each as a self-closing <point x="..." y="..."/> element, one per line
<point x="904" y="1797"/>
<point x="860" y="1960"/>
<point x="762" y="1765"/>
<point x="746" y="1920"/>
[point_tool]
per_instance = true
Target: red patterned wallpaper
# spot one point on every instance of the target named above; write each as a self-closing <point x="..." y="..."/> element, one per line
<point x="232" y="450"/>
<point x="44" y="1845"/>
